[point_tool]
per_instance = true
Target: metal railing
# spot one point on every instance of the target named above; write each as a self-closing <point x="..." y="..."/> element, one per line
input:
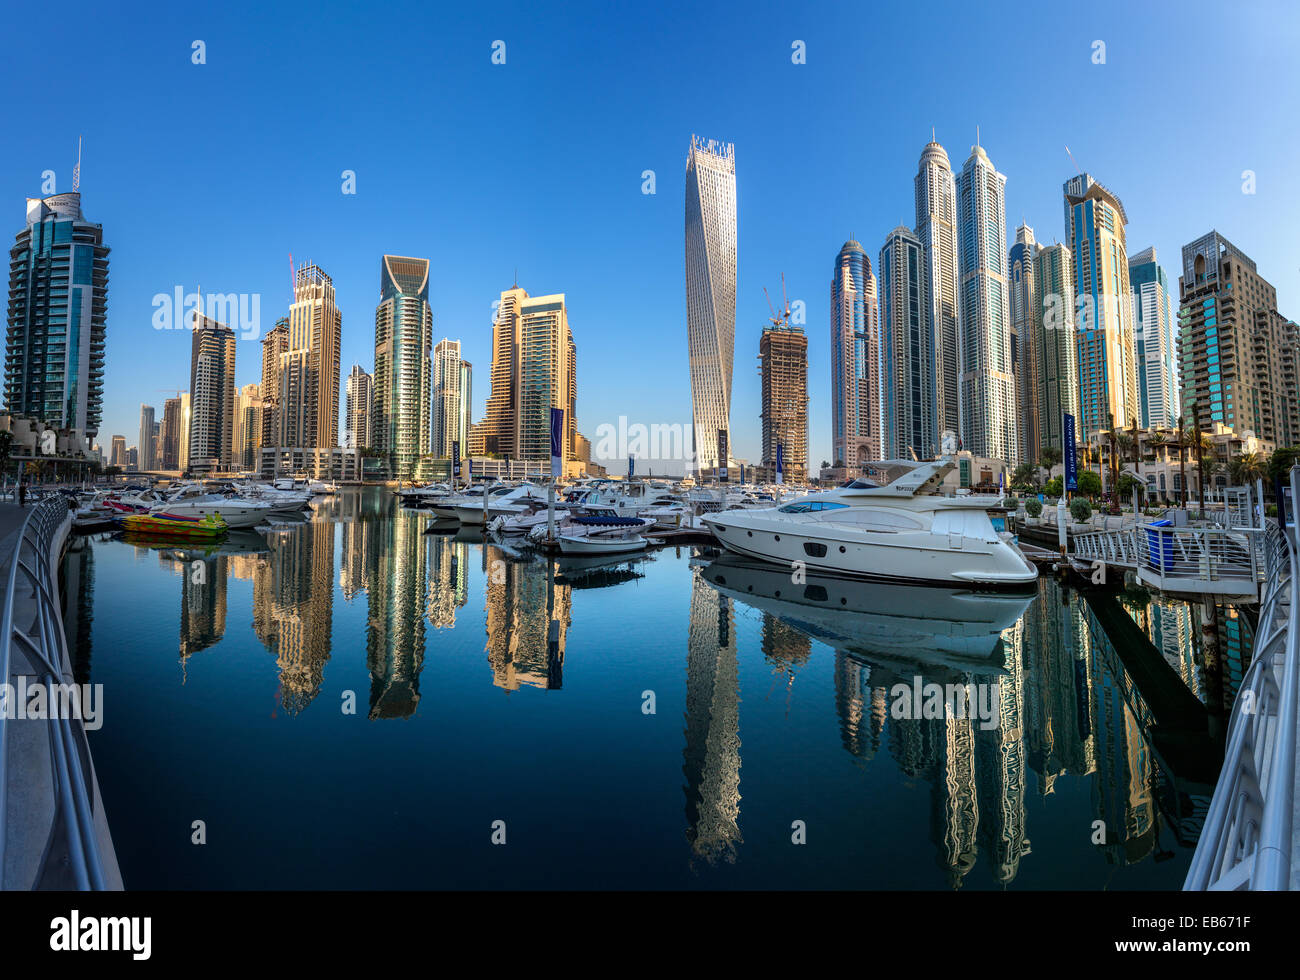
<point x="1246" y="843"/>
<point x="1209" y="559"/>
<point x="43" y="645"/>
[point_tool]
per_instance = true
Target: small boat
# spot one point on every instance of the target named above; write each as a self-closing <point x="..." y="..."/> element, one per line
<point x="181" y="525"/>
<point x="602" y="536"/>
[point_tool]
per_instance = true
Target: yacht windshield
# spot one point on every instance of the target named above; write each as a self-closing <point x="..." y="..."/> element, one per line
<point x="810" y="505"/>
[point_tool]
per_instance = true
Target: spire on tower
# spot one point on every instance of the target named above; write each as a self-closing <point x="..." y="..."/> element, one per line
<point x="76" y="171"/>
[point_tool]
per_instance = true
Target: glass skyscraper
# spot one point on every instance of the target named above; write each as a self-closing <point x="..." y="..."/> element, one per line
<point x="855" y="359"/>
<point x="1026" y="331"/>
<point x="988" y="389"/>
<point x="403" y="380"/>
<point x="1094" y="230"/>
<point x="58" y="306"/>
<point x="1058" y="373"/>
<point x="907" y="345"/>
<point x="1157" y="354"/>
<point x="936" y="227"/>
<point x="711" y="293"/>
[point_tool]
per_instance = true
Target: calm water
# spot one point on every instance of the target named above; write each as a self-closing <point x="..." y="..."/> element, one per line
<point x="488" y="687"/>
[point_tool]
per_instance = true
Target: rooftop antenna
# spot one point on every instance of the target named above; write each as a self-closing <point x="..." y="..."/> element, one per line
<point x="76" y="171"/>
<point x="932" y="134"/>
<point x="1071" y="156"/>
<point x="292" y="291"/>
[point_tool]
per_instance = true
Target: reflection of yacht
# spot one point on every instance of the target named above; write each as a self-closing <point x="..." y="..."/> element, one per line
<point x="914" y="622"/>
<point x="903" y="531"/>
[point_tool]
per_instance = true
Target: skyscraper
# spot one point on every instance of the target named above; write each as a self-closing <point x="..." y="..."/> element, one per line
<point x="118" y="457"/>
<point x="274" y="344"/>
<point x="451" y="399"/>
<point x="246" y="449"/>
<point x="1058" y="373"/>
<point x="171" y="433"/>
<point x="711" y="294"/>
<point x="58" y="303"/>
<point x="403" y="370"/>
<point x="1236" y="350"/>
<point x="855" y="359"/>
<point x="212" y="395"/>
<point x="1026" y="338"/>
<point x="936" y="227"/>
<point x="147" y="461"/>
<point x="309" y="368"/>
<point x="360" y="407"/>
<point x="183" y="443"/>
<point x="907" y="359"/>
<point x="988" y="389"/>
<point x="783" y="360"/>
<point x="1157" y="355"/>
<point x="534" y="369"/>
<point x="1094" y="230"/>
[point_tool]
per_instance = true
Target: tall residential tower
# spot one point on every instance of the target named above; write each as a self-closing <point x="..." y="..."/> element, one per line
<point x="936" y="227"/>
<point x="403" y="366"/>
<point x="711" y="293"/>
<point x="907" y="361"/>
<point x="988" y="388"/>
<point x="855" y="360"/>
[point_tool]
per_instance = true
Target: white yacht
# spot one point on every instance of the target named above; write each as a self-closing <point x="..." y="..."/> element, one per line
<point x="904" y="531"/>
<point x="191" y="500"/>
<point x="513" y="501"/>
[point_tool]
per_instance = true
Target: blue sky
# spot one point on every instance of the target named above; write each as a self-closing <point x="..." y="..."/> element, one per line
<point x="211" y="175"/>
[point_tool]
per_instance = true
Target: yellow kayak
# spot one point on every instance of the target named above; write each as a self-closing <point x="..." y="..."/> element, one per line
<point x="207" y="526"/>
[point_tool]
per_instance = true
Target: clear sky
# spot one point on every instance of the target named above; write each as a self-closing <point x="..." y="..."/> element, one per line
<point x="211" y="175"/>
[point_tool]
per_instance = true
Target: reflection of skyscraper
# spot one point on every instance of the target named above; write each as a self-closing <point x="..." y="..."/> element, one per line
<point x="448" y="571"/>
<point x="521" y="601"/>
<point x="711" y="759"/>
<point x="1000" y="768"/>
<point x="711" y="292"/>
<point x="203" y="602"/>
<point x="293" y="605"/>
<point x="862" y="708"/>
<point x="395" y="638"/>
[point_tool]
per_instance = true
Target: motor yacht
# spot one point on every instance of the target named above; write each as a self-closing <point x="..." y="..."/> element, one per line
<point x="193" y="501"/>
<point x="514" y="501"/>
<point x="903" y="531"/>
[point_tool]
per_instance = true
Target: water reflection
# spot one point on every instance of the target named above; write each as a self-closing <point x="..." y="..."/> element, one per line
<point x="1066" y="707"/>
<point x="1073" y="751"/>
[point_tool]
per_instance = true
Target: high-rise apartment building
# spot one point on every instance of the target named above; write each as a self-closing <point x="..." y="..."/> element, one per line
<point x="145" y="444"/>
<point x="711" y="294"/>
<point x="534" y="369"/>
<point x="403" y="363"/>
<point x="783" y="362"/>
<point x="170" y="434"/>
<point x="1026" y="338"/>
<point x="360" y="407"/>
<point x="212" y="396"/>
<point x="247" y="442"/>
<point x="1236" y="351"/>
<point x="907" y="360"/>
<point x="1094" y="230"/>
<point x="1156" y="341"/>
<point x="988" y="388"/>
<point x="1058" y="369"/>
<point x="308" y="390"/>
<point x="451" y="399"/>
<point x="274" y="345"/>
<point x="855" y="359"/>
<point x="183" y="443"/>
<point x="118" y="457"/>
<point x="58" y="307"/>
<point x="936" y="227"/>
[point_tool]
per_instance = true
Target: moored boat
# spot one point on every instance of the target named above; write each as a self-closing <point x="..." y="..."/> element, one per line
<point x="180" y="525"/>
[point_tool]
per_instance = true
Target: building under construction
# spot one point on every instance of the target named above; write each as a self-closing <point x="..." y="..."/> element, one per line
<point x="783" y="360"/>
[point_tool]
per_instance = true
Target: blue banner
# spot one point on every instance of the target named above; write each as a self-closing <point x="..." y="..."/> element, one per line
<point x="1070" y="454"/>
<point x="557" y="440"/>
<point x="455" y="458"/>
<point x="631" y="467"/>
<point x="780" y="463"/>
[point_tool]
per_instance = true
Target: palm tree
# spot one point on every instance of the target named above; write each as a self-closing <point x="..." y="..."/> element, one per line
<point x="1051" y="455"/>
<point x="1247" y="468"/>
<point x="1025" y="475"/>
